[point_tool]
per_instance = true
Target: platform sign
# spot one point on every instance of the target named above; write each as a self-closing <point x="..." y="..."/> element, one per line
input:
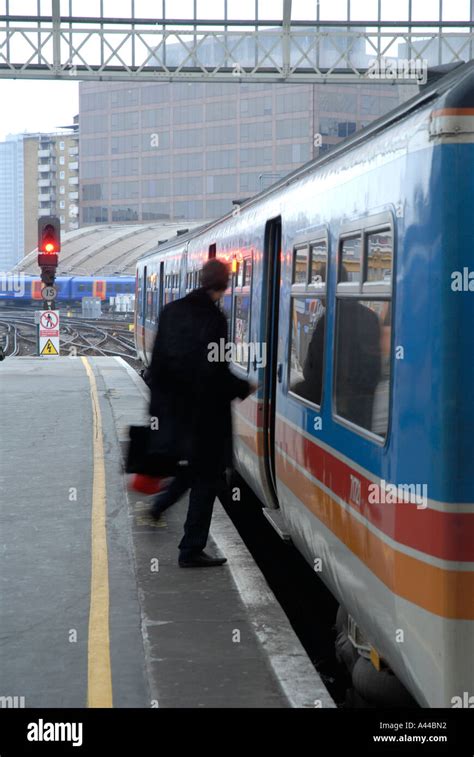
<point x="48" y="328"/>
<point x="49" y="293"/>
<point x="49" y="349"/>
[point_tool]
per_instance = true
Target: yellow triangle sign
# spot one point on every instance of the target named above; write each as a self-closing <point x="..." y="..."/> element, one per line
<point x="49" y="349"/>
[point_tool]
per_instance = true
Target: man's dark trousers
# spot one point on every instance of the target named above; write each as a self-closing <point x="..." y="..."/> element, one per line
<point x="204" y="489"/>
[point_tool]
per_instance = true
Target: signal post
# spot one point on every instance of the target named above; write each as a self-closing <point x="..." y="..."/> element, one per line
<point x="49" y="246"/>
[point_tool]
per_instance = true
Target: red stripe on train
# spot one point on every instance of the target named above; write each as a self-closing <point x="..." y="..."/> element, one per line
<point x="449" y="536"/>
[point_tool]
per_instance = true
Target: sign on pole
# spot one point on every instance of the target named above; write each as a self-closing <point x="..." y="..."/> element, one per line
<point x="49" y="332"/>
<point x="49" y="293"/>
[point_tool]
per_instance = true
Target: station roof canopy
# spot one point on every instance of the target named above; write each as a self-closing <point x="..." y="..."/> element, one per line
<point x="108" y="250"/>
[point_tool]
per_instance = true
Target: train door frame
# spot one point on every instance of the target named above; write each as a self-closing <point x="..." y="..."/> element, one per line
<point x="161" y="287"/>
<point x="144" y="298"/>
<point x="272" y="268"/>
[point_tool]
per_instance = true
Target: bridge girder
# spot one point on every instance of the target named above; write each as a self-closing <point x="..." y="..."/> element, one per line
<point x="281" y="50"/>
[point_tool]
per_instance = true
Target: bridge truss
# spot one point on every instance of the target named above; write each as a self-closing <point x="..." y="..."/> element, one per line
<point x="280" y="40"/>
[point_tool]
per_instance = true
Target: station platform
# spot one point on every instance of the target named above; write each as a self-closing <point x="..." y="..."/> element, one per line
<point x="95" y="611"/>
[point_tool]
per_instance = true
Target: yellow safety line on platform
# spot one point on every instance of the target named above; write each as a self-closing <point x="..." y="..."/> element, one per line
<point x="99" y="675"/>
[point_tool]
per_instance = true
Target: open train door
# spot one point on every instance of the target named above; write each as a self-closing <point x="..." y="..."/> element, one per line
<point x="272" y="258"/>
<point x="276" y="318"/>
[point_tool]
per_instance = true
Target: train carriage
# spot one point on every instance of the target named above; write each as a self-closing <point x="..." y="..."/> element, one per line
<point x="351" y="305"/>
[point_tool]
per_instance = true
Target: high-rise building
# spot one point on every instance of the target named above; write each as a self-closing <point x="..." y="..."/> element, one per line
<point x="186" y="151"/>
<point x="12" y="212"/>
<point x="39" y="176"/>
<point x="58" y="177"/>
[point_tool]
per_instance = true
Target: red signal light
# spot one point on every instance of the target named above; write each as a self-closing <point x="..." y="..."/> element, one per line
<point x="49" y="235"/>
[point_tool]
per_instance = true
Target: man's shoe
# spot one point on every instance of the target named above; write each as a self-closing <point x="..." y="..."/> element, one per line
<point x="201" y="560"/>
<point x="155" y="513"/>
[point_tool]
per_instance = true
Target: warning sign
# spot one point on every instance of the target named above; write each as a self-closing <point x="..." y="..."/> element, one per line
<point x="49" y="320"/>
<point x="49" y="332"/>
<point x="49" y="349"/>
<point x="49" y="323"/>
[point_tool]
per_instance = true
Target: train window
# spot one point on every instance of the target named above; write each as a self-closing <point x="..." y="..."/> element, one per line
<point x="319" y="256"/>
<point x="239" y="277"/>
<point x="149" y="300"/>
<point x="248" y="272"/>
<point x="364" y="335"/>
<point x="176" y="285"/>
<point x="197" y="279"/>
<point x="300" y="266"/>
<point x="379" y="257"/>
<point x="226" y="307"/>
<point x="240" y="312"/>
<point x="154" y="297"/>
<point x="308" y="326"/>
<point x="350" y="260"/>
<point x="241" y="328"/>
<point x="189" y="281"/>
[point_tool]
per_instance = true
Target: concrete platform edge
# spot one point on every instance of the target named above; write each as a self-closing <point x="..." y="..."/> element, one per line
<point x="298" y="679"/>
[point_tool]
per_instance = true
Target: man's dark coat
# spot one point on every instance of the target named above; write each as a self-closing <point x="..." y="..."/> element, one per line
<point x="191" y="395"/>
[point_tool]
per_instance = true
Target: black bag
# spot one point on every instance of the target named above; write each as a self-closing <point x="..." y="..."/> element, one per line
<point x="145" y="456"/>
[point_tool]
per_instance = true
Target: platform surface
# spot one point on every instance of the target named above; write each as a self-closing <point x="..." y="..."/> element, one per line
<point x="94" y="608"/>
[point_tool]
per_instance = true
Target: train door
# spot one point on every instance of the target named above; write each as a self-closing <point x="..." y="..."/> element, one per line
<point x="162" y="288"/>
<point x="144" y="295"/>
<point x="272" y="373"/>
<point x="98" y="289"/>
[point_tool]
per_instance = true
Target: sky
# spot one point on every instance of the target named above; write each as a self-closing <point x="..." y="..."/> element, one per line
<point x="41" y="105"/>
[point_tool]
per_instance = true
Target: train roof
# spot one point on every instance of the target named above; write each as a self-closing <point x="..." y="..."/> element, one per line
<point x="457" y="87"/>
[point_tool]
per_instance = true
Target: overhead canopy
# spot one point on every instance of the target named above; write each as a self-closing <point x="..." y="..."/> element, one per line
<point x="108" y="250"/>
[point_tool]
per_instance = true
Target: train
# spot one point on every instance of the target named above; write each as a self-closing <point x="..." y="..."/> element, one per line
<point x="23" y="289"/>
<point x="349" y="282"/>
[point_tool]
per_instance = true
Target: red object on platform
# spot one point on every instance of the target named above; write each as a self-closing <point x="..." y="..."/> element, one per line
<point x="146" y="484"/>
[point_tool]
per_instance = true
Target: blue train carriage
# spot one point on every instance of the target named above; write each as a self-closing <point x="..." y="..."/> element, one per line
<point x="160" y="280"/>
<point x="355" y="276"/>
<point x="62" y="284"/>
<point x="25" y="289"/>
<point x="86" y="286"/>
<point x="119" y="285"/>
<point x="102" y="287"/>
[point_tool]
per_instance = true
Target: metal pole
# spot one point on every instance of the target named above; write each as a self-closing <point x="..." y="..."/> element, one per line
<point x="56" y="19"/>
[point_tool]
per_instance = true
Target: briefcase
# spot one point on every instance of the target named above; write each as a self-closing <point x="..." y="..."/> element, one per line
<point x="145" y="456"/>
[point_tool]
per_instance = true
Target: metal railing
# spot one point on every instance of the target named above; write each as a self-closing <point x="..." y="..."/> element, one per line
<point x="65" y="47"/>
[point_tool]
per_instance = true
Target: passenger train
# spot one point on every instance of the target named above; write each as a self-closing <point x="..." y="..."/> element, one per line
<point x="359" y="442"/>
<point x="23" y="289"/>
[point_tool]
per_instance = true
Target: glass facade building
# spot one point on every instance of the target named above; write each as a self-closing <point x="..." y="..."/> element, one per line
<point x="186" y="151"/>
<point x="11" y="203"/>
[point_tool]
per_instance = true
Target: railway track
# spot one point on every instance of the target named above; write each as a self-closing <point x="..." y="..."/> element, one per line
<point x="80" y="336"/>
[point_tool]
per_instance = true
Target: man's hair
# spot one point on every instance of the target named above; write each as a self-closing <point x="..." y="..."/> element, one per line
<point x="215" y="275"/>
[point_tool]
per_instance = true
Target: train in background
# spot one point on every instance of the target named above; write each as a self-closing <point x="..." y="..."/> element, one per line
<point x="23" y="289"/>
<point x="359" y="442"/>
